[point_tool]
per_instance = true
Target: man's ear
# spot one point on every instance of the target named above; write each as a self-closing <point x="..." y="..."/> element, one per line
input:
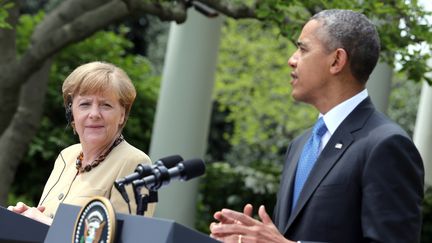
<point x="340" y="61"/>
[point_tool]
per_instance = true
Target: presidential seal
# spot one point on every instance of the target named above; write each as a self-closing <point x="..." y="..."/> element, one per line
<point x="95" y="222"/>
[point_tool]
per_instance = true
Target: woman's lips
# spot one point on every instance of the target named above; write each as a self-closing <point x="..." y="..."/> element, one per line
<point x="94" y="126"/>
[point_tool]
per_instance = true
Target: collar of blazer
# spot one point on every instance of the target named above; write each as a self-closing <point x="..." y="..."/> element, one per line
<point x="332" y="152"/>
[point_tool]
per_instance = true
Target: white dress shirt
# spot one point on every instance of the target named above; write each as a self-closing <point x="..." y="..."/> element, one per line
<point x="337" y="114"/>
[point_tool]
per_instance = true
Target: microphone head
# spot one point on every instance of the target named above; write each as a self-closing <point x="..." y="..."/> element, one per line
<point x="192" y="168"/>
<point x="170" y="161"/>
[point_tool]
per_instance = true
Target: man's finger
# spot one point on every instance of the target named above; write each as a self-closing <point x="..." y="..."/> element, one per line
<point x="223" y="219"/>
<point x="248" y="210"/>
<point x="265" y="218"/>
<point x="222" y="230"/>
<point x="237" y="216"/>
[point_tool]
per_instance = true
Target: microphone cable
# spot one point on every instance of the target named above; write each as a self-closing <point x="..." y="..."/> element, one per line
<point x="58" y="179"/>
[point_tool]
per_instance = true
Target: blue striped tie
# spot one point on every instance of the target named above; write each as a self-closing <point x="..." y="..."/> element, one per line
<point x="308" y="157"/>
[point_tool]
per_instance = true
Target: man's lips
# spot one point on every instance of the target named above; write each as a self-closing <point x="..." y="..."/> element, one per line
<point x="294" y="77"/>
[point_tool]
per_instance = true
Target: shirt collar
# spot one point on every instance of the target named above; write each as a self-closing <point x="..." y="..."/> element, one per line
<point x="337" y="114"/>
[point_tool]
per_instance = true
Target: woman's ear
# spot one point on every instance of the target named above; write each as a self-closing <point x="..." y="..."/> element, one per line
<point x="340" y="61"/>
<point x="68" y="113"/>
<point x="122" y="117"/>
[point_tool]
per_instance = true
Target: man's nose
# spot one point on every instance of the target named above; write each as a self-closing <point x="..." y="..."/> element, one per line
<point x="292" y="61"/>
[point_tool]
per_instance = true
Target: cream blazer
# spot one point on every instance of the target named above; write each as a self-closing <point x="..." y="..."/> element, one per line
<point x="66" y="186"/>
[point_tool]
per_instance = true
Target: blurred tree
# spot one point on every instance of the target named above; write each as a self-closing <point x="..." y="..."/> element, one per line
<point x="403" y="103"/>
<point x="254" y="118"/>
<point x="4" y="14"/>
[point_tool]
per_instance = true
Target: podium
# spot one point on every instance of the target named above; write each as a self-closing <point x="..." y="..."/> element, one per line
<point x="15" y="228"/>
<point x="130" y="229"/>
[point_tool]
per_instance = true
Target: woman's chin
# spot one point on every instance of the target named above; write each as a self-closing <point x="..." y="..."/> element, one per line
<point x="94" y="140"/>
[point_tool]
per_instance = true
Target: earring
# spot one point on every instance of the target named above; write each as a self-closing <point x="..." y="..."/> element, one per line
<point x="73" y="127"/>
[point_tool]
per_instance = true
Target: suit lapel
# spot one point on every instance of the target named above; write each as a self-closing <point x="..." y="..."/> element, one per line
<point x="331" y="154"/>
<point x="285" y="201"/>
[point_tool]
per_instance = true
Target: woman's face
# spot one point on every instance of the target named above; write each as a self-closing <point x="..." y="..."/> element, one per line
<point x="97" y="117"/>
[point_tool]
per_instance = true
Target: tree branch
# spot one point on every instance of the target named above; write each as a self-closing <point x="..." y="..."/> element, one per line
<point x="8" y="97"/>
<point x="65" y="13"/>
<point x="8" y="36"/>
<point x="50" y="43"/>
<point x="166" y="11"/>
<point x="23" y="127"/>
<point x="233" y="10"/>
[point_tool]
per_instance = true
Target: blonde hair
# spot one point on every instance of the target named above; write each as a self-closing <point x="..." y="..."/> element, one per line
<point x="96" y="77"/>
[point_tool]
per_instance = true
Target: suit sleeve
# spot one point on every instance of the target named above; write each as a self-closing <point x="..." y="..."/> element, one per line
<point x="392" y="183"/>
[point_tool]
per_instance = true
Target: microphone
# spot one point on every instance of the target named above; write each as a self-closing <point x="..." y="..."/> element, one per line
<point x="162" y="176"/>
<point x="143" y="170"/>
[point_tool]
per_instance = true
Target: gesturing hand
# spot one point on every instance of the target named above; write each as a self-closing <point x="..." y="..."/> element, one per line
<point x="238" y="227"/>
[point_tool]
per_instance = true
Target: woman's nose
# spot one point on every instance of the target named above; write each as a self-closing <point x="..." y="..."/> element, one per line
<point x="94" y="112"/>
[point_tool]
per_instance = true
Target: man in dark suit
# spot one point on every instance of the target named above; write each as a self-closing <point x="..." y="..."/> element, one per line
<point x="354" y="177"/>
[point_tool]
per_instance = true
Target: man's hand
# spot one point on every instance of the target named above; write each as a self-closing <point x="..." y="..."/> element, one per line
<point x="236" y="227"/>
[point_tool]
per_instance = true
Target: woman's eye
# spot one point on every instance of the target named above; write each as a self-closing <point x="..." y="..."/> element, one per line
<point x="84" y="104"/>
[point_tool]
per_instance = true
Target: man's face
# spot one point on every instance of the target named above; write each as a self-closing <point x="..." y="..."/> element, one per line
<point x="311" y="63"/>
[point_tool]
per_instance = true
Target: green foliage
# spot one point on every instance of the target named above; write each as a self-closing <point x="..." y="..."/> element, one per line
<point x="402" y="25"/>
<point x="53" y="135"/>
<point x="252" y="86"/>
<point x="12" y="199"/>
<point x="403" y="102"/>
<point x="257" y="116"/>
<point x="4" y="14"/>
<point x="240" y="185"/>
<point x="24" y="29"/>
<point x="404" y="31"/>
<point x="288" y="15"/>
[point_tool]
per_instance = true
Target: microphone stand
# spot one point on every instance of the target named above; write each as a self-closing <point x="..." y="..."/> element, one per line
<point x="142" y="201"/>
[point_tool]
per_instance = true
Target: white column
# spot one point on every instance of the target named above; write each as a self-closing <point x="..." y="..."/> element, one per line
<point x="423" y="130"/>
<point x="379" y="86"/>
<point x="184" y="107"/>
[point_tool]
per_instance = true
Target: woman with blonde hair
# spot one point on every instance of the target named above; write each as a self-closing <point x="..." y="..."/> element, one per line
<point x="98" y="97"/>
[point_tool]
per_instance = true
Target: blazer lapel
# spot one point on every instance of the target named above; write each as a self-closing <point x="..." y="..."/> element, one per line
<point x="285" y="200"/>
<point x="335" y="148"/>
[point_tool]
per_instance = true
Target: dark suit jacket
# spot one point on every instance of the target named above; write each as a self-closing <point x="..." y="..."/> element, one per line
<point x="366" y="186"/>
